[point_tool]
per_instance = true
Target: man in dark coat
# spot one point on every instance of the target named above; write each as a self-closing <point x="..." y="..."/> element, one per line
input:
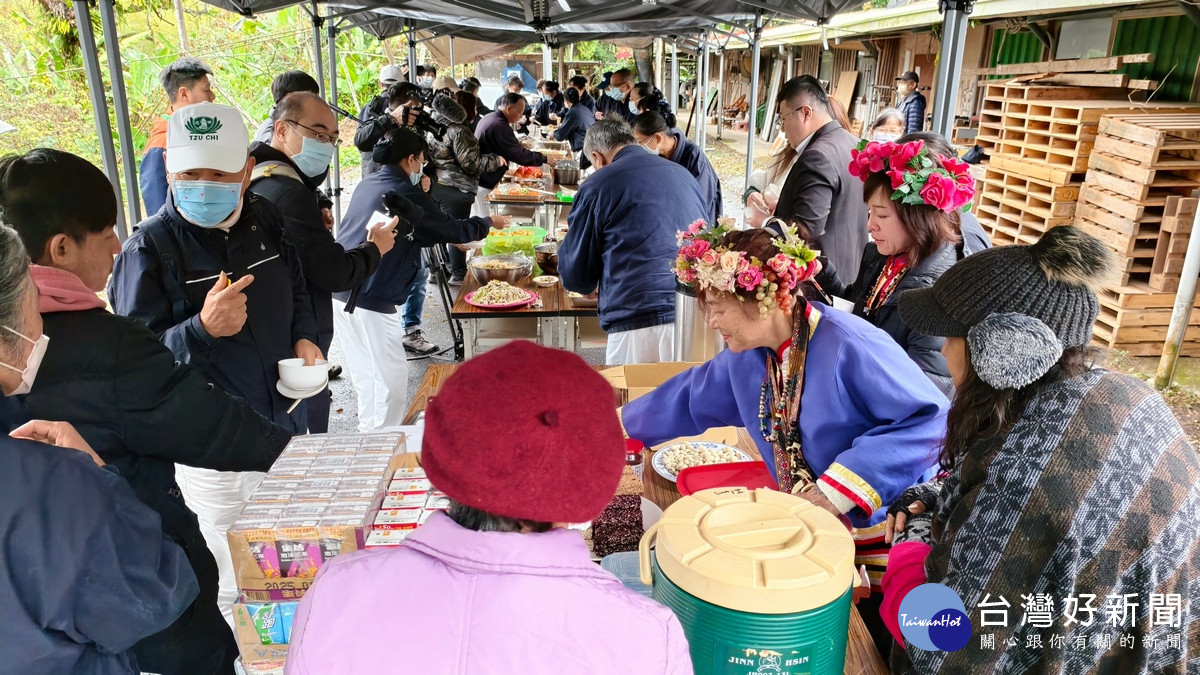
<point x="286" y="173"/>
<point x="379" y="115"/>
<point x="496" y="137"/>
<point x="819" y="193"/>
<point x="622" y="241"/>
<point x="551" y="107"/>
<point x="911" y="102"/>
<point x="109" y="376"/>
<point x="214" y="276"/>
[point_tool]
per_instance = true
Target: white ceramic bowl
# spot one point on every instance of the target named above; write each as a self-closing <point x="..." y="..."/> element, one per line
<point x="545" y="281"/>
<point x="295" y="375"/>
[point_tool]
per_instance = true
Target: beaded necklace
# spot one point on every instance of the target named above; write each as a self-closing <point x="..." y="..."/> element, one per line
<point x="889" y="278"/>
<point x="779" y="402"/>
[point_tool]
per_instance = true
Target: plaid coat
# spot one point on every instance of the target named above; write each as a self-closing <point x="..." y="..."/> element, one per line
<point x="1092" y="500"/>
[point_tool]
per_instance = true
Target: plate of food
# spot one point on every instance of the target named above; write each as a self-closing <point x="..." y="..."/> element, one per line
<point x="500" y="295"/>
<point x="669" y="461"/>
<point x="528" y="172"/>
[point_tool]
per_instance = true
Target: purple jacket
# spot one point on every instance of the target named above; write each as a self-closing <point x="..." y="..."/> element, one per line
<point x="452" y="600"/>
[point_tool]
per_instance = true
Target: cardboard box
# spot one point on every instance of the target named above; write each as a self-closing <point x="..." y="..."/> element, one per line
<point x="634" y="381"/>
<point x="248" y="639"/>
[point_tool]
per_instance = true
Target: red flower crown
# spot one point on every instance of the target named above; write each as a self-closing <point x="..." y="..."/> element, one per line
<point x="917" y="179"/>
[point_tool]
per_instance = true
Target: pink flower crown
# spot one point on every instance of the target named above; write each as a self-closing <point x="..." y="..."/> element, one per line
<point x="916" y="177"/>
<point x="707" y="263"/>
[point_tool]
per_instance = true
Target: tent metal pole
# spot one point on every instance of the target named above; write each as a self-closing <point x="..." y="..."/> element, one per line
<point x="317" y="59"/>
<point x="335" y="176"/>
<point x="91" y="64"/>
<point x="954" y="37"/>
<point x="116" y="76"/>
<point x="702" y="94"/>
<point x="752" y="116"/>
<point x="791" y="62"/>
<point x="720" y="91"/>
<point x="411" y="36"/>
<point x="659" y="75"/>
<point x="547" y="62"/>
<point x="451" y="38"/>
<point x="674" y="75"/>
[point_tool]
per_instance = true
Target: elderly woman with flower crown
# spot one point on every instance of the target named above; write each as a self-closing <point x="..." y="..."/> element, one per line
<point x="839" y="413"/>
<point x="913" y="202"/>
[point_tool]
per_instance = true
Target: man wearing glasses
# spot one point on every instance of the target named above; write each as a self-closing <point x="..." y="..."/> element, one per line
<point x="286" y="173"/>
<point x="820" y="193"/>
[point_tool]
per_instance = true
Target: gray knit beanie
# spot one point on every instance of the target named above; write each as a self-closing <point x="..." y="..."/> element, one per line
<point x="1054" y="281"/>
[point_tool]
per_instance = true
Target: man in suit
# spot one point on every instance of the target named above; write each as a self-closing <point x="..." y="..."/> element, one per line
<point x="819" y="193"/>
<point x="911" y="102"/>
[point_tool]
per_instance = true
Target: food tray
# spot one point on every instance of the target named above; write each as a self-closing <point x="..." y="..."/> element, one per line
<point x="501" y="197"/>
<point x="529" y="300"/>
<point x="659" y="461"/>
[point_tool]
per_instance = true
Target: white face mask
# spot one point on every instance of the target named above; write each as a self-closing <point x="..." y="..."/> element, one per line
<point x="31" y="364"/>
<point x="883" y="136"/>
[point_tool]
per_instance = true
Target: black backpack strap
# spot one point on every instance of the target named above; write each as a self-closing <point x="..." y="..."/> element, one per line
<point x="164" y="244"/>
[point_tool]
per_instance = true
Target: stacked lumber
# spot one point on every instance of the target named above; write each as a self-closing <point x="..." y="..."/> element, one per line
<point x="1137" y="199"/>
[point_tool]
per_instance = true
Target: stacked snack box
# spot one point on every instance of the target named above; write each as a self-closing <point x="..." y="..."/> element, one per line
<point x="319" y="500"/>
<point x="409" y="502"/>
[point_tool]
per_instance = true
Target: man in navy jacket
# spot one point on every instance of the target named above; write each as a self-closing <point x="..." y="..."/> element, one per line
<point x="550" y="104"/>
<point x="621" y="241"/>
<point x="496" y="137"/>
<point x="911" y="102"/>
<point x="213" y="275"/>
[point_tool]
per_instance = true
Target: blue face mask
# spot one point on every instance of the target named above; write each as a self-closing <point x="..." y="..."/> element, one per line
<point x="206" y="203"/>
<point x="314" y="157"/>
<point x="616" y="94"/>
<point x="633" y="108"/>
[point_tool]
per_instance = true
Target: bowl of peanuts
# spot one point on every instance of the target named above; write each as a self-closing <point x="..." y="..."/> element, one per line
<point x="672" y="459"/>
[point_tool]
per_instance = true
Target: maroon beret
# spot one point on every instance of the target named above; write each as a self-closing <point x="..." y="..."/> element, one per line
<point x="525" y="432"/>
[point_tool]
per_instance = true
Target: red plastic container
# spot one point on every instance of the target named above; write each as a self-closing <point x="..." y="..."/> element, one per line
<point x="749" y="475"/>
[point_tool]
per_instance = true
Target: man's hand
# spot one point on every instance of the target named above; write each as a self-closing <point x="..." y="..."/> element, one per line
<point x="406" y="115"/>
<point x="383" y="236"/>
<point x="224" y="311"/>
<point x="426" y="183"/>
<point x="599" y="115"/>
<point x="58" y="434"/>
<point x="503" y="161"/>
<point x="501" y="222"/>
<point x="552" y="161"/>
<point x="305" y="349"/>
<point x="327" y="217"/>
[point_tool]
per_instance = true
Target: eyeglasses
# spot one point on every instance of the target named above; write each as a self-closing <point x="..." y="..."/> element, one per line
<point x="319" y="136"/>
<point x="783" y="118"/>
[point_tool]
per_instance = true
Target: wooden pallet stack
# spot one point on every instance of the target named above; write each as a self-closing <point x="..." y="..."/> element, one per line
<point x="1040" y="139"/>
<point x="1141" y="174"/>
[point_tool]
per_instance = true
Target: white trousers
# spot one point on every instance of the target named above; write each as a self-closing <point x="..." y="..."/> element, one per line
<point x="217" y="497"/>
<point x="374" y="349"/>
<point x="644" y="345"/>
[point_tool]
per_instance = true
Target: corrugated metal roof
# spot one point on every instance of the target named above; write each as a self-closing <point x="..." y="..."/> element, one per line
<point x="1175" y="42"/>
<point x="923" y="14"/>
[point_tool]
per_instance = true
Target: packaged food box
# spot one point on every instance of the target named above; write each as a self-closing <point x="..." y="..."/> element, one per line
<point x="251" y="621"/>
<point x="279" y="483"/>
<point x="303" y="510"/>
<point x="409" y="486"/>
<point x="397" y="519"/>
<point x="408" y="473"/>
<point x="380" y="538"/>
<point x="256" y="510"/>
<point x="354" y="494"/>
<point x="360" y="483"/>
<point x="271" y="496"/>
<point x="298" y="542"/>
<point x="436" y="503"/>
<point x="313" y="495"/>
<point x="415" y="501"/>
<point x="319" y="483"/>
<point x="350" y="507"/>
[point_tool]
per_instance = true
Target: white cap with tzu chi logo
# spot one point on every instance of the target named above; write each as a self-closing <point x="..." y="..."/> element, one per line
<point x="207" y="136"/>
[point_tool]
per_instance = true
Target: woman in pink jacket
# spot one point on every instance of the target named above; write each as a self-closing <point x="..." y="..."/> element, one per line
<point x="499" y="585"/>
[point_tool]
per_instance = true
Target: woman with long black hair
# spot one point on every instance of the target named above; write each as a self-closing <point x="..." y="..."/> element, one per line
<point x="1069" y="488"/>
